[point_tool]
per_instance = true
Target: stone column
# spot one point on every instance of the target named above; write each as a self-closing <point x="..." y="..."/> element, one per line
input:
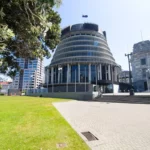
<point x="114" y="74"/>
<point x="98" y="71"/>
<point x="61" y="75"/>
<point x="58" y="75"/>
<point x="52" y="75"/>
<point x="68" y="73"/>
<point x="106" y="72"/>
<point x="79" y="73"/>
<point x="100" y="68"/>
<point x="109" y="73"/>
<point x="89" y="73"/>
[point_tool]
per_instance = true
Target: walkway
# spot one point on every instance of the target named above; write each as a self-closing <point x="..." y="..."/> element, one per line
<point x="117" y="126"/>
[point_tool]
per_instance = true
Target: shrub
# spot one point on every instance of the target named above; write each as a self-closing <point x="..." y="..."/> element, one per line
<point x="2" y="94"/>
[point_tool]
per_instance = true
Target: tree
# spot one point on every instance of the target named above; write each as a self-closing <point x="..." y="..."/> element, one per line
<point x="0" y="88"/>
<point x="28" y="29"/>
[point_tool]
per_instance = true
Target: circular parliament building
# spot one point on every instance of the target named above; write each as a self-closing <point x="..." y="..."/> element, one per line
<point x="82" y="62"/>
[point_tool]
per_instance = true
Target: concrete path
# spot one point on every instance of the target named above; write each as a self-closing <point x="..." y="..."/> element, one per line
<point x="117" y="126"/>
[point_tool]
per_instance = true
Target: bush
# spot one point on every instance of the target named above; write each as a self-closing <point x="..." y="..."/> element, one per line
<point x="2" y="94"/>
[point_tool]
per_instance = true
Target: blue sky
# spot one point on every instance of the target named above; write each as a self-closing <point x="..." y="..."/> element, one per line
<point x="123" y="20"/>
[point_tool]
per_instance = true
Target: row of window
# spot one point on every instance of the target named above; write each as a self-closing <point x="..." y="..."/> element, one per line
<point x="21" y="60"/>
<point x="74" y="43"/>
<point x="82" y="48"/>
<point x="80" y="38"/>
<point x="83" y="59"/>
<point x="97" y="54"/>
<point x="29" y="71"/>
<point x="74" y="71"/>
<point x="85" y="34"/>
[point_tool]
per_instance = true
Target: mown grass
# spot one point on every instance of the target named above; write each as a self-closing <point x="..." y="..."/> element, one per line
<point x="32" y="123"/>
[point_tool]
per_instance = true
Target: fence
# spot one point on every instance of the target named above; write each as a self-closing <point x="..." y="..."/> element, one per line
<point x="33" y="91"/>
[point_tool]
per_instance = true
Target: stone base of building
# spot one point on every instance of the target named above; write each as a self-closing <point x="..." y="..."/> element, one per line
<point x="83" y="87"/>
<point x="68" y="95"/>
<point x="141" y="85"/>
<point x="76" y="91"/>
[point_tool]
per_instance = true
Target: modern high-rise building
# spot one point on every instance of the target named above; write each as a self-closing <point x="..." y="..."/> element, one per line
<point x="30" y="75"/>
<point x="82" y="61"/>
<point x="140" y="61"/>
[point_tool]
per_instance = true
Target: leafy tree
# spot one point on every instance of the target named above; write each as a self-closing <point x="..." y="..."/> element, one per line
<point x="0" y="88"/>
<point x="28" y="29"/>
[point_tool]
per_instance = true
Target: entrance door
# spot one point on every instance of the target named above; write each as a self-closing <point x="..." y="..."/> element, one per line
<point x="145" y="86"/>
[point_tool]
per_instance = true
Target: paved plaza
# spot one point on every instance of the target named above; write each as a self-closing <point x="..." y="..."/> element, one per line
<point x="117" y="126"/>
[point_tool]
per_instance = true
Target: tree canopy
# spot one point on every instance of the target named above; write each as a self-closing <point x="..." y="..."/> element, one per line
<point x="28" y="29"/>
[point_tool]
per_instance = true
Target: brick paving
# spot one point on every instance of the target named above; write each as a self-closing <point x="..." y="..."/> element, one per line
<point x="117" y="126"/>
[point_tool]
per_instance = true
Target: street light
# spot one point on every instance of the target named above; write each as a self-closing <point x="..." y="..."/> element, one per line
<point x="129" y="55"/>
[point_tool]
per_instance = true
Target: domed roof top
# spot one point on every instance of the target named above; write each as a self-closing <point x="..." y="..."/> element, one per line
<point x="83" y="43"/>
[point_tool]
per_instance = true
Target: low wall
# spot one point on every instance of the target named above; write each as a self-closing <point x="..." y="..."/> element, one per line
<point x="68" y="95"/>
<point x="14" y="92"/>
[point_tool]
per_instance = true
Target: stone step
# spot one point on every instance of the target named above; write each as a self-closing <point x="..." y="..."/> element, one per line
<point x="125" y="99"/>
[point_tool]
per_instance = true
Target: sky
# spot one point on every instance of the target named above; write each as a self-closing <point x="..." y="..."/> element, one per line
<point x="126" y="22"/>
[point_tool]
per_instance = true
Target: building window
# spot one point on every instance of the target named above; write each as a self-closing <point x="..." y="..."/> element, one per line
<point x="93" y="73"/>
<point x="143" y="61"/>
<point x="84" y="73"/>
<point x="144" y="72"/>
<point x="74" y="70"/>
<point x="64" y="71"/>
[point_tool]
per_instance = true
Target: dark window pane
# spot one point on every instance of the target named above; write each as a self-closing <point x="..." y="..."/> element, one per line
<point x="143" y="61"/>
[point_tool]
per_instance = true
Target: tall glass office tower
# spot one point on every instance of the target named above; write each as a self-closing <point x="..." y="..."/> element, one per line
<point x="30" y="75"/>
<point x="82" y="58"/>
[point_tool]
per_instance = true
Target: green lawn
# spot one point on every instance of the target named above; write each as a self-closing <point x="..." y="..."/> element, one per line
<point x="32" y="123"/>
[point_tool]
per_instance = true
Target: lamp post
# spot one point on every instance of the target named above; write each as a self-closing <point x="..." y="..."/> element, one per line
<point x="129" y="55"/>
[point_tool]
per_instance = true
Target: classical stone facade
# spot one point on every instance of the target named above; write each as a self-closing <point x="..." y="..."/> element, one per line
<point x="124" y="77"/>
<point x="83" y="57"/>
<point x="140" y="62"/>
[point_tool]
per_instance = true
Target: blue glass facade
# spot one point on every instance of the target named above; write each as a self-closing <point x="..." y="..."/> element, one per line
<point x="74" y="73"/>
<point x="93" y="73"/>
<point x="84" y="73"/>
<point x="30" y="75"/>
<point x="64" y="74"/>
